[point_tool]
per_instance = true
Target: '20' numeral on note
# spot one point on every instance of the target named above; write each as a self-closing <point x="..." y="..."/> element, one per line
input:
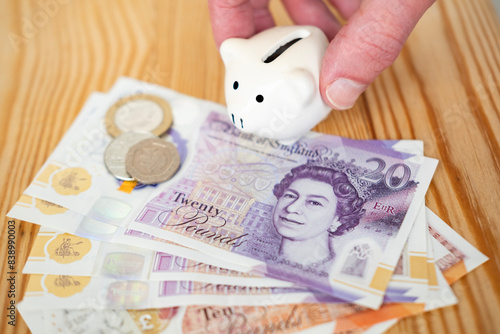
<point x="374" y="176"/>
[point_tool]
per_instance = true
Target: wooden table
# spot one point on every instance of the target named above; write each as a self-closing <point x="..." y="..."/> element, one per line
<point x="443" y="89"/>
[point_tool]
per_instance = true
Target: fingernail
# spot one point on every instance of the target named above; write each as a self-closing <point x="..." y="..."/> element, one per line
<point x="343" y="93"/>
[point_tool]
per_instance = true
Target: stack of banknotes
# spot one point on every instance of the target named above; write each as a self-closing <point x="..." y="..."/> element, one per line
<point x="328" y="235"/>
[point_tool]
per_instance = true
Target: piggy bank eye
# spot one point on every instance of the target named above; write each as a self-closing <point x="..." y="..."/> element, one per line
<point x="259" y="98"/>
<point x="235" y="85"/>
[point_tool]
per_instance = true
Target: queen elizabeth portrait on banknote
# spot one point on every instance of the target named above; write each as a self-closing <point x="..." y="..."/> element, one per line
<point x="314" y="204"/>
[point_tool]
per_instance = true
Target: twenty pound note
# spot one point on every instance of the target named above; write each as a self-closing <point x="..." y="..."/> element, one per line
<point x="327" y="212"/>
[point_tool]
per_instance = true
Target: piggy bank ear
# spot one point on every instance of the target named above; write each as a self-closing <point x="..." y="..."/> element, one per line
<point x="305" y="86"/>
<point x="232" y="49"/>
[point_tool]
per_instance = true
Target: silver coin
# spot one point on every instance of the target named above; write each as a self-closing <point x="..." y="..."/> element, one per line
<point x="140" y="112"/>
<point x="116" y="153"/>
<point x="153" y="161"/>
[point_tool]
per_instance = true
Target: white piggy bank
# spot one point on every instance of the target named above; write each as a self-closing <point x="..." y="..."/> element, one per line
<point x="272" y="82"/>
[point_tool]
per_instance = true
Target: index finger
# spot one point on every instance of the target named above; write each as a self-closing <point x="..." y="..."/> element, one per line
<point x="238" y="18"/>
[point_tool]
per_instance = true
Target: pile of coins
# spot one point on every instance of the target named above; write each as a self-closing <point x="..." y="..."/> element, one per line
<point x="136" y="152"/>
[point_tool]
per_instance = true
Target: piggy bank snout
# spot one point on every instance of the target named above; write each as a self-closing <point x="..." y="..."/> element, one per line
<point x="271" y="106"/>
<point x="244" y="108"/>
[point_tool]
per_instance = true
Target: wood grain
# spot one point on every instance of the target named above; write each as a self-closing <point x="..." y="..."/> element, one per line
<point x="444" y="89"/>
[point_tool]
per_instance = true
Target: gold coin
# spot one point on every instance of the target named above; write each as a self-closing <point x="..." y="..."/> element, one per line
<point x="141" y="112"/>
<point x="152" y="161"/>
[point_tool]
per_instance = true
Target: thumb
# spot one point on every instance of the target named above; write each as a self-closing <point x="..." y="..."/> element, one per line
<point x="369" y="43"/>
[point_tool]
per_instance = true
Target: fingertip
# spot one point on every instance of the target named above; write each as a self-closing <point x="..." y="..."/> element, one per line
<point x="343" y="93"/>
<point x="315" y="13"/>
<point x="231" y="19"/>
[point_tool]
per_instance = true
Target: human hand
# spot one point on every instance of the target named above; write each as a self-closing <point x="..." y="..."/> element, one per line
<point x="358" y="52"/>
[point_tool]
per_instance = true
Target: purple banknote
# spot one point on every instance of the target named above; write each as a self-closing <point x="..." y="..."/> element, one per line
<point x="327" y="212"/>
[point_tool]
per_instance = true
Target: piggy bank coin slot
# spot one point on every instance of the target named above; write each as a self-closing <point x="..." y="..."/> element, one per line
<point x="284" y="45"/>
<point x="280" y="50"/>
